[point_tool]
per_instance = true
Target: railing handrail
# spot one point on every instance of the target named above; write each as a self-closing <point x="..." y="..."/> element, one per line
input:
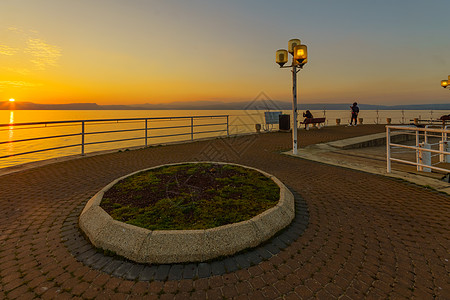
<point x="414" y="128"/>
<point x="82" y="133"/>
<point x="108" y="120"/>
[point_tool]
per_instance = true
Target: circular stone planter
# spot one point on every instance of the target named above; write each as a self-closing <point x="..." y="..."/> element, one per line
<point x="176" y="246"/>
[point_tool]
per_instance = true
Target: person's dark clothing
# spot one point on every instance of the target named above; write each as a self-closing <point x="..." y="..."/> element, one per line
<point x="308" y="114"/>
<point x="355" y="111"/>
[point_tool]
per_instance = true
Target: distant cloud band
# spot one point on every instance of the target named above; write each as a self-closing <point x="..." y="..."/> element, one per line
<point x="23" y="51"/>
<point x="43" y="54"/>
<point x="6" y="83"/>
<point x="6" y="50"/>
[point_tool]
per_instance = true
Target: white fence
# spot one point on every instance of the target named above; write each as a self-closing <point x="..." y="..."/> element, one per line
<point x="42" y="137"/>
<point x="431" y="147"/>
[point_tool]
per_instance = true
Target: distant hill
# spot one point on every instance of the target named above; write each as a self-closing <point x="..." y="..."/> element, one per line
<point x="6" y="105"/>
<point x="362" y="106"/>
<point x="215" y="105"/>
<point x="34" y="106"/>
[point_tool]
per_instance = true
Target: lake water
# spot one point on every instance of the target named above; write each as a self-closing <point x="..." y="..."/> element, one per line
<point x="240" y="121"/>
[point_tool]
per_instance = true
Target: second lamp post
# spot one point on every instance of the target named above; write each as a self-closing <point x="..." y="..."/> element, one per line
<point x="299" y="59"/>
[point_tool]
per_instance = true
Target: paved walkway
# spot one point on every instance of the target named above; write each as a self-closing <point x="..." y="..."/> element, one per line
<point x="368" y="236"/>
<point x="353" y="153"/>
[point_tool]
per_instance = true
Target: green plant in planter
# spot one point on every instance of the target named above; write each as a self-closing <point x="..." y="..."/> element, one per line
<point x="190" y="196"/>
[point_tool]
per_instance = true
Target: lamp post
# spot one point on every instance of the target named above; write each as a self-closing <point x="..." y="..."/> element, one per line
<point x="299" y="59"/>
<point x="445" y="83"/>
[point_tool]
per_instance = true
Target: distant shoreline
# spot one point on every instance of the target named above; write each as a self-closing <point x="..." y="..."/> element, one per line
<point x="210" y="105"/>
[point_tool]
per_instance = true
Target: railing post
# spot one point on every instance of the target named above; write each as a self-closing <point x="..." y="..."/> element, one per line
<point x="420" y="160"/>
<point x="228" y="127"/>
<point x="446" y="147"/>
<point x="442" y="146"/>
<point x="82" y="137"/>
<point x="388" y="148"/>
<point x="146" y="136"/>
<point x="192" y="128"/>
<point x="425" y="157"/>
<point x="417" y="150"/>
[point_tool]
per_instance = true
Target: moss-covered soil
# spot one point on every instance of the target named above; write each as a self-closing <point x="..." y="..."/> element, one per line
<point x="190" y="196"/>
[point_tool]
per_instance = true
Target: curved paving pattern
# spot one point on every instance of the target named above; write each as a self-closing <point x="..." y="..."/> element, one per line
<point x="368" y="236"/>
<point x="82" y="250"/>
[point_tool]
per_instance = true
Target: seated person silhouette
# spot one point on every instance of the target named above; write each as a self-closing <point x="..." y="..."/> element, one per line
<point x="307" y="115"/>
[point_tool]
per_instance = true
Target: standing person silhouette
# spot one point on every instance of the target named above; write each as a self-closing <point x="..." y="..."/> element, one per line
<point x="355" y="112"/>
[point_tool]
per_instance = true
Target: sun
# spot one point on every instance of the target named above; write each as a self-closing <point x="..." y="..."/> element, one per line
<point x="12" y="100"/>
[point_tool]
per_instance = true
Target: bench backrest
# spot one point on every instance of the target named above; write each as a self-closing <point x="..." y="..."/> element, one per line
<point x="314" y="120"/>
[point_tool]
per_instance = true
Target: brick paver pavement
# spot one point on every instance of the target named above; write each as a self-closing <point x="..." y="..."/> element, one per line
<point x="368" y="236"/>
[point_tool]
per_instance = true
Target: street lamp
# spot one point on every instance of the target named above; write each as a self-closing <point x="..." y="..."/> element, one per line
<point x="445" y="83"/>
<point x="299" y="54"/>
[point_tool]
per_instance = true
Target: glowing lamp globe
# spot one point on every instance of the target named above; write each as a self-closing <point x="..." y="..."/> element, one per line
<point x="291" y="45"/>
<point x="444" y="83"/>
<point x="281" y="57"/>
<point x="300" y="53"/>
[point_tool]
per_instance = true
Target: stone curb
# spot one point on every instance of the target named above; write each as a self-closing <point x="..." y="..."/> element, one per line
<point x="176" y="246"/>
<point x="83" y="251"/>
<point x="371" y="140"/>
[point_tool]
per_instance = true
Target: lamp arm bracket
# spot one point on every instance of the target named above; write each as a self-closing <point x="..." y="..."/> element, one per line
<point x="299" y="67"/>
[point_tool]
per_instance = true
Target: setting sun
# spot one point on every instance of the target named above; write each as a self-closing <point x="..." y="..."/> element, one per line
<point x="12" y="100"/>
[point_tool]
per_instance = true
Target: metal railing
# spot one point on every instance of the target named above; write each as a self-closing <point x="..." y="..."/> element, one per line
<point x="220" y="124"/>
<point x="426" y="138"/>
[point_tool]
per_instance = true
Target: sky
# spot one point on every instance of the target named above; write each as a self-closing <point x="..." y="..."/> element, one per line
<point x="149" y="51"/>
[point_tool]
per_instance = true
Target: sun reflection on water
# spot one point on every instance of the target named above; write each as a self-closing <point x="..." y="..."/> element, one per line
<point x="10" y="147"/>
<point x="11" y="117"/>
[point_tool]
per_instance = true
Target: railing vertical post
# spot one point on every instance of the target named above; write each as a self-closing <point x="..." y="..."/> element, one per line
<point x="425" y="157"/>
<point x="417" y="150"/>
<point x="82" y="137"/>
<point x="192" y="128"/>
<point x="146" y="135"/>
<point x="446" y="147"/>
<point x="388" y="148"/>
<point x="228" y="126"/>
<point x="443" y="145"/>
<point x="420" y="161"/>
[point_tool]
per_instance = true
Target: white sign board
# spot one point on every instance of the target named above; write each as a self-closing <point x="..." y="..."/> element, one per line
<point x="272" y="117"/>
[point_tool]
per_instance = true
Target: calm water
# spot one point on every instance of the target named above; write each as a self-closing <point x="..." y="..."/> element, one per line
<point x="239" y="122"/>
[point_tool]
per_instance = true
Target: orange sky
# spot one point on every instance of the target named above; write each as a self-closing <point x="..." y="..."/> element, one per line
<point x="117" y="52"/>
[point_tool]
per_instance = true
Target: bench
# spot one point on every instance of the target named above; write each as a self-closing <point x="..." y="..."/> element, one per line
<point x="314" y="122"/>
